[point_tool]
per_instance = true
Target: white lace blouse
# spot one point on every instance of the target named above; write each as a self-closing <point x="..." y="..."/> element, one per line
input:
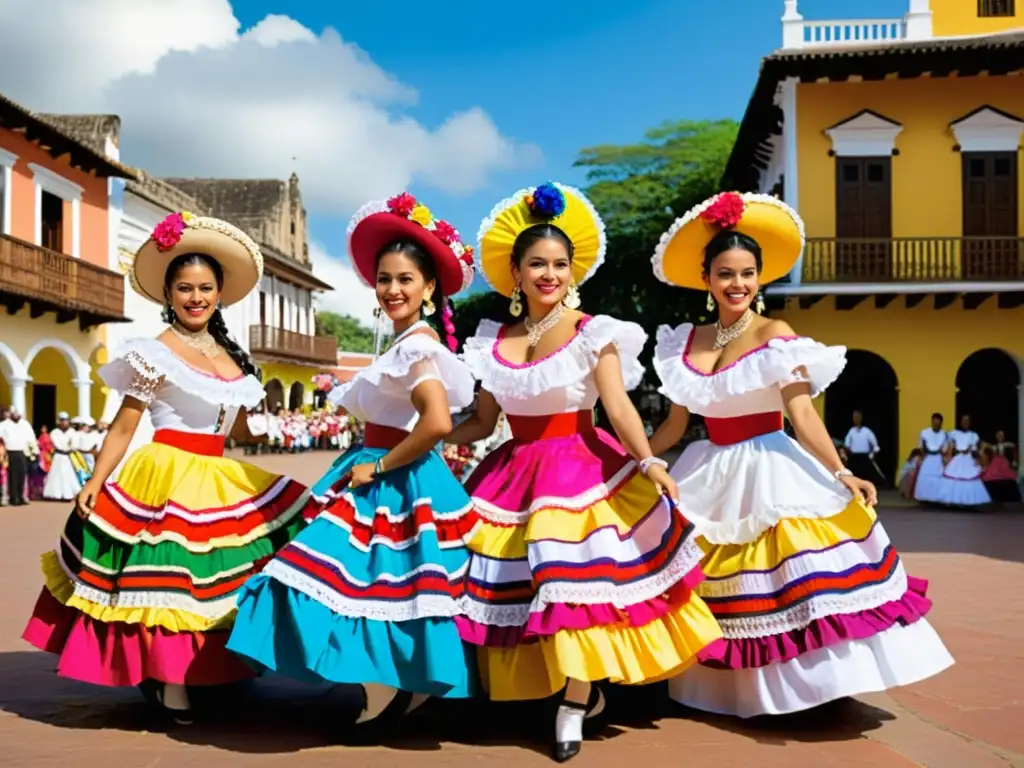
<point x="562" y="382"/>
<point x="179" y="396"/>
<point x="751" y="384"/>
<point x="382" y="393"/>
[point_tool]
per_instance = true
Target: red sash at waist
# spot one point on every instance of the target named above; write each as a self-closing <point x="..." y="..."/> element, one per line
<point x="379" y="436"/>
<point x="193" y="442"/>
<point x="738" y="429"/>
<point x="530" y="428"/>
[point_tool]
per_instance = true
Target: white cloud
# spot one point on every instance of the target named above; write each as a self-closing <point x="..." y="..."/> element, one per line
<point x="350" y="295"/>
<point x="199" y="97"/>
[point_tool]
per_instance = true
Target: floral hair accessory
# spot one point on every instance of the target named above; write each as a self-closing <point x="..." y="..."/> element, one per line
<point x="726" y="211"/>
<point x="445" y="232"/>
<point x="402" y="205"/>
<point x="547" y="201"/>
<point x="467" y="255"/>
<point x="167" y="233"/>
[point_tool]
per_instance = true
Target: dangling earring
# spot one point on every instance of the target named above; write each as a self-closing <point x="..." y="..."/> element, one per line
<point x="428" y="306"/>
<point x="711" y="302"/>
<point x="515" y="308"/>
<point x="759" y="305"/>
<point x="572" y="296"/>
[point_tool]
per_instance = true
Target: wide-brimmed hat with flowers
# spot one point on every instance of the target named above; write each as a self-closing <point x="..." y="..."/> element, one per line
<point x="182" y="232"/>
<point x="778" y="229"/>
<point x="402" y="217"/>
<point x="565" y="207"/>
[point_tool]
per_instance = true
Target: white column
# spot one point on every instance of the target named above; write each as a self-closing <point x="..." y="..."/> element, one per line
<point x="76" y="228"/>
<point x="18" y="386"/>
<point x="37" y="236"/>
<point x="790" y="167"/>
<point x="792" y="26"/>
<point x="7" y="161"/>
<point x="84" y="387"/>
<point x="919" y="20"/>
<point x="311" y="317"/>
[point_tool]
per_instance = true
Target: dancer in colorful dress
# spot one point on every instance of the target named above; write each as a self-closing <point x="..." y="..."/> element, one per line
<point x="810" y="593"/>
<point x="1000" y="475"/>
<point x="142" y="587"/>
<point x="367" y="593"/>
<point x="962" y="485"/>
<point x="582" y="570"/>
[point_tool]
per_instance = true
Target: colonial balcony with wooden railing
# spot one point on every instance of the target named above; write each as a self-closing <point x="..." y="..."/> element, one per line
<point x="922" y="260"/>
<point x="290" y="346"/>
<point x="48" y="281"/>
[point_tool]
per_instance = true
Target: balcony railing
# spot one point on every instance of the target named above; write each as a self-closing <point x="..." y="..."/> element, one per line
<point x="815" y="34"/>
<point x="913" y="259"/>
<point x="277" y="342"/>
<point x="39" y="274"/>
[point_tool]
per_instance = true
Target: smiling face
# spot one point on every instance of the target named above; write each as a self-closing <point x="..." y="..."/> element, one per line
<point x="193" y="294"/>
<point x="733" y="279"/>
<point x="544" y="274"/>
<point x="401" y="287"/>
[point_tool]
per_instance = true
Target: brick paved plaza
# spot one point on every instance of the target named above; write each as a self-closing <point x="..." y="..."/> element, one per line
<point x="972" y="716"/>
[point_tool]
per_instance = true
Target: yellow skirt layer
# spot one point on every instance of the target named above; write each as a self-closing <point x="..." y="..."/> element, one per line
<point x="621" y="654"/>
<point x="790" y="536"/>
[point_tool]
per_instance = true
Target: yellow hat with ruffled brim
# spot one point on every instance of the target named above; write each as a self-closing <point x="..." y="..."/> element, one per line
<point x="562" y="206"/>
<point x="777" y="228"/>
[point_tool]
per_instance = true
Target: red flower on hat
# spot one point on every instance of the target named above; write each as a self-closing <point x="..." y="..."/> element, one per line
<point x="445" y="232"/>
<point x="402" y="205"/>
<point x="167" y="233"/>
<point x="726" y="211"/>
<point x="467" y="254"/>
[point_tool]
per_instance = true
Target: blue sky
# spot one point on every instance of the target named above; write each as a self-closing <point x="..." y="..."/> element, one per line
<point x="575" y="74"/>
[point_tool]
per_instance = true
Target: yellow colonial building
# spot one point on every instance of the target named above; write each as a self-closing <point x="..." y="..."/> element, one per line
<point x="899" y="142"/>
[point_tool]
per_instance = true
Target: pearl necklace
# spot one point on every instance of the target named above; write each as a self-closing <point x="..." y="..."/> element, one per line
<point x="535" y="330"/>
<point x="724" y="336"/>
<point x="201" y="341"/>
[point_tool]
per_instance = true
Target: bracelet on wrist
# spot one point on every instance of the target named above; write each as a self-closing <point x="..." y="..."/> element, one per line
<point x="651" y="461"/>
<point x="378" y="466"/>
<point x="839" y="474"/>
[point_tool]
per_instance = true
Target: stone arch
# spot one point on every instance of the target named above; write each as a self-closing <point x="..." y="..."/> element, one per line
<point x="296" y="396"/>
<point x="10" y="364"/>
<point x="989" y="389"/>
<point x="275" y="395"/>
<point x="79" y="367"/>
<point x="868" y="384"/>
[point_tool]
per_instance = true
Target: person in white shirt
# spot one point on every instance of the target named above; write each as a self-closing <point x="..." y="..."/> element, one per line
<point x="20" y="440"/>
<point x="929" y="485"/>
<point x="962" y="483"/>
<point x="861" y="446"/>
<point x="62" y="483"/>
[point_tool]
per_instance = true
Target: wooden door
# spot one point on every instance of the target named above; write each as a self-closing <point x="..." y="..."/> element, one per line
<point x="52" y="226"/>
<point x="863" y="219"/>
<point x="991" y="248"/>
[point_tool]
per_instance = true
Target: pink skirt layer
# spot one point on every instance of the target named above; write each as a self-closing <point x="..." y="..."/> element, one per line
<point x="120" y="654"/>
<point x="748" y="653"/>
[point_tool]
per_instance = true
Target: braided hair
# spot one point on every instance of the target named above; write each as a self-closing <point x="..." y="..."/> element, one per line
<point x="216" y="325"/>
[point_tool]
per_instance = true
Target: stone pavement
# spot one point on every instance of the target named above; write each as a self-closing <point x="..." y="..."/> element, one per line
<point x="972" y="716"/>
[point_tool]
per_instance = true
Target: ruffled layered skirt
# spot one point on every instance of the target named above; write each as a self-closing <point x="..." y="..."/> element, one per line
<point x="929" y="485"/>
<point x="962" y="485"/>
<point x="581" y="569"/>
<point x="368" y="593"/>
<point x="811" y="595"/>
<point x="146" y="587"/>
<point x="1001" y="481"/>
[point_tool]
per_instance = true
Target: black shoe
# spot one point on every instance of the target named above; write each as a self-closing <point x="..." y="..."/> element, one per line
<point x="176" y="716"/>
<point x="384" y="723"/>
<point x="563" y="751"/>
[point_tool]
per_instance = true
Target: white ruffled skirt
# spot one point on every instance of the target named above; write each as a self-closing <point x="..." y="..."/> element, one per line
<point x="962" y="485"/>
<point x="812" y="598"/>
<point x="62" y="483"/>
<point x="929" y="485"/>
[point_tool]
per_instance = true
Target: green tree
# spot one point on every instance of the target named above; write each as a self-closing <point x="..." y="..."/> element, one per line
<point x="352" y="335"/>
<point x="638" y="189"/>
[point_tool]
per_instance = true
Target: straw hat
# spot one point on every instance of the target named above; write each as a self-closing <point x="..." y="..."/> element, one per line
<point x="777" y="228"/>
<point x="237" y="254"/>
<point x="565" y="207"/>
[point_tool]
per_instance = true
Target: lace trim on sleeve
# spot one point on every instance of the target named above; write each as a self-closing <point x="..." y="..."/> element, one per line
<point x="145" y="381"/>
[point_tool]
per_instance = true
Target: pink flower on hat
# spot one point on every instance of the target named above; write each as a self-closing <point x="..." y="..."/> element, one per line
<point x="167" y="233"/>
<point x="726" y="211"/>
<point x="445" y="232"/>
<point x="402" y="205"/>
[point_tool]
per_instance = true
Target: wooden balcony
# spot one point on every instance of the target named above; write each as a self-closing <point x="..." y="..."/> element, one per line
<point x="914" y="260"/>
<point x="289" y="346"/>
<point x="51" y="282"/>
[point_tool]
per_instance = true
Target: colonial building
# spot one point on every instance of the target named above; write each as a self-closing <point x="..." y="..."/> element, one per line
<point x="277" y="324"/>
<point x="56" y="240"/>
<point x="898" y="140"/>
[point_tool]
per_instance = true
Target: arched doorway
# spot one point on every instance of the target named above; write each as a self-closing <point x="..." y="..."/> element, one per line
<point x="61" y="381"/>
<point x="868" y="384"/>
<point x="295" y="395"/>
<point x="988" y="387"/>
<point x="275" y="395"/>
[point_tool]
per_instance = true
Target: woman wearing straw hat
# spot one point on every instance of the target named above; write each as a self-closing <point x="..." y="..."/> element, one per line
<point x="142" y="588"/>
<point x="582" y="570"/>
<point x="813" y="599"/>
<point x="367" y="593"/>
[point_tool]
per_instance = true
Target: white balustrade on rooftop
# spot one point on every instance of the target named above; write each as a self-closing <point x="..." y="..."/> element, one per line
<point x="799" y="33"/>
